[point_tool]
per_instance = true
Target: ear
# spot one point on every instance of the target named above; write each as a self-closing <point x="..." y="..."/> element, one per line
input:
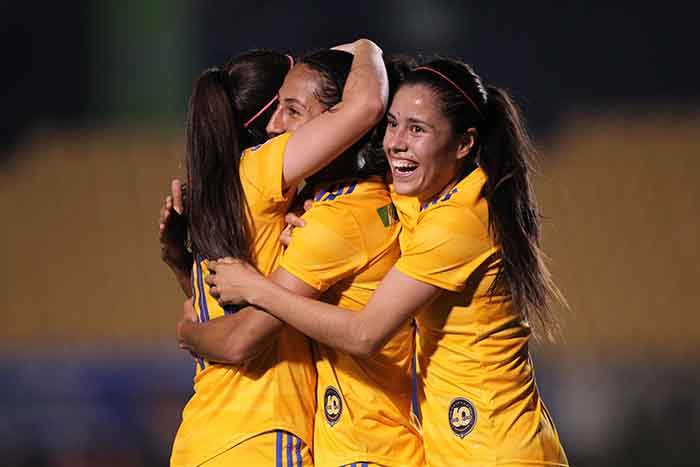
<point x="466" y="143"/>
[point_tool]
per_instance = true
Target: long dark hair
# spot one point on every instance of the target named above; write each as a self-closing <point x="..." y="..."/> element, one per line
<point x="505" y="152"/>
<point x="223" y="118"/>
<point x="366" y="157"/>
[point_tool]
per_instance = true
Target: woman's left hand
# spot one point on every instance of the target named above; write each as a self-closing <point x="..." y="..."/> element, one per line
<point x="189" y="319"/>
<point x="230" y="279"/>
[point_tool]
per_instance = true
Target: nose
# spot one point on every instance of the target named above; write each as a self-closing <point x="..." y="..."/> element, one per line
<point x="276" y="124"/>
<point x="394" y="140"/>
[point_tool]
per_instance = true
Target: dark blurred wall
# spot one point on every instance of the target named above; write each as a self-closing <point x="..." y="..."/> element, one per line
<point x="78" y="62"/>
<point x="45" y="71"/>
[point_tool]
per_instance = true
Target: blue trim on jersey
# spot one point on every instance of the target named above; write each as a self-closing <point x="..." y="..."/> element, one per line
<point x="414" y="389"/>
<point x="202" y="298"/>
<point x="200" y="360"/>
<point x="290" y="459"/>
<point x="298" y="449"/>
<point x="279" y="449"/>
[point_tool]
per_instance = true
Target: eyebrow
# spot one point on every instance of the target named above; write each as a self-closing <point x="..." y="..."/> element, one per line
<point x="412" y="120"/>
<point x="294" y="100"/>
<point x="422" y="122"/>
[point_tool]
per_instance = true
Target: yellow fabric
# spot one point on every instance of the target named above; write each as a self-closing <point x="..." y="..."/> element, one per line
<point x="271" y="449"/>
<point x="478" y="398"/>
<point x="363" y="407"/>
<point x="274" y="391"/>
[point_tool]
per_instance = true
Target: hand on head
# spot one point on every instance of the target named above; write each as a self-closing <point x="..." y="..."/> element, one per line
<point x="351" y="47"/>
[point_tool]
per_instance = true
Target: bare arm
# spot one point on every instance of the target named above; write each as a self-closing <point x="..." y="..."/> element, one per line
<point x="365" y="95"/>
<point x="240" y="336"/>
<point x="397" y="299"/>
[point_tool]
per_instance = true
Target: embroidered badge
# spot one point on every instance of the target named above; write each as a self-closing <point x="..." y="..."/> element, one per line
<point x="462" y="416"/>
<point x="332" y="405"/>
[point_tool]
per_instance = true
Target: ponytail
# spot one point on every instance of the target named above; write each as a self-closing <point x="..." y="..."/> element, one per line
<point x="506" y="155"/>
<point x="215" y="202"/>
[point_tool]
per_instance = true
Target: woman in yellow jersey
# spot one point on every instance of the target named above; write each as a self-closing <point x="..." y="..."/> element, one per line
<point x="259" y="413"/>
<point x="363" y="404"/>
<point x="471" y="271"/>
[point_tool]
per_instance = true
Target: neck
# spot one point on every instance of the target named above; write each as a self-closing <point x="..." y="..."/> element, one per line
<point x="443" y="191"/>
<point x="465" y="171"/>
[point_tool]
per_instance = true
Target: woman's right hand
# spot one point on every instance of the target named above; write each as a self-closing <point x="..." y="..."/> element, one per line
<point x="293" y="221"/>
<point x="172" y="230"/>
<point x="231" y="280"/>
<point x="352" y="47"/>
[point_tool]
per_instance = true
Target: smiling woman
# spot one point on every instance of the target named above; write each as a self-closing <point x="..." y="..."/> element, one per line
<point x="239" y="190"/>
<point x="470" y="264"/>
<point x="423" y="153"/>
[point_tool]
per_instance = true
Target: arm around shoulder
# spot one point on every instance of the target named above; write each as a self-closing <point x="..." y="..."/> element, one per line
<point x="315" y="144"/>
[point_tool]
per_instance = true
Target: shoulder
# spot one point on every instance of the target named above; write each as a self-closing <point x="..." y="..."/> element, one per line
<point x="272" y="145"/>
<point x="462" y="209"/>
<point x="262" y="168"/>
<point x="351" y="190"/>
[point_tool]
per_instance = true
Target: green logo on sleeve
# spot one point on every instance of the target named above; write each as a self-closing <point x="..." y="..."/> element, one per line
<point x="388" y="215"/>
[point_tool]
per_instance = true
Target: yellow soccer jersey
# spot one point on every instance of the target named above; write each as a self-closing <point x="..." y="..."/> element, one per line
<point x="478" y="399"/>
<point x="274" y="391"/>
<point x="348" y="244"/>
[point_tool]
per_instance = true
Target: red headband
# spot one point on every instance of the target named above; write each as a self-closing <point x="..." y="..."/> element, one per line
<point x="272" y="101"/>
<point x="466" y="96"/>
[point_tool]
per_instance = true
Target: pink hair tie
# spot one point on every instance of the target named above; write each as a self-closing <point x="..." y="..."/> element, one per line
<point x="272" y="101"/>
<point x="267" y="106"/>
<point x="466" y="96"/>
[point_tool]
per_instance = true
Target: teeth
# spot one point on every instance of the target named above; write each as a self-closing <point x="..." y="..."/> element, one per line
<point x="403" y="164"/>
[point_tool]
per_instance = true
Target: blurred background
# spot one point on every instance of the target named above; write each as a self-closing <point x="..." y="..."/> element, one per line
<point x="93" y="97"/>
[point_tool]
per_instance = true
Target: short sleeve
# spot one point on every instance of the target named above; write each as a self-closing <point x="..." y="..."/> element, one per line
<point x="262" y="167"/>
<point x="327" y="249"/>
<point x="446" y="246"/>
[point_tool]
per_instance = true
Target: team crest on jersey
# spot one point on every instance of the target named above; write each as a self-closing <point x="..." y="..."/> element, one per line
<point x="462" y="416"/>
<point x="332" y="405"/>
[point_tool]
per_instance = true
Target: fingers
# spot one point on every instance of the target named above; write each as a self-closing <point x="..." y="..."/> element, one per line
<point x="176" y="198"/>
<point x="294" y="220"/>
<point x="189" y="313"/>
<point x="286" y="235"/>
<point x="164" y="213"/>
<point x="350" y="48"/>
<point x="211" y="281"/>
<point x="307" y="204"/>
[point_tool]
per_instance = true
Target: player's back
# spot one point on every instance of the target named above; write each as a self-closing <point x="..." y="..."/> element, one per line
<point x="275" y="390"/>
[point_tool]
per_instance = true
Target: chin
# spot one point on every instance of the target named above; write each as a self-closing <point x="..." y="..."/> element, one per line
<point x="406" y="188"/>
